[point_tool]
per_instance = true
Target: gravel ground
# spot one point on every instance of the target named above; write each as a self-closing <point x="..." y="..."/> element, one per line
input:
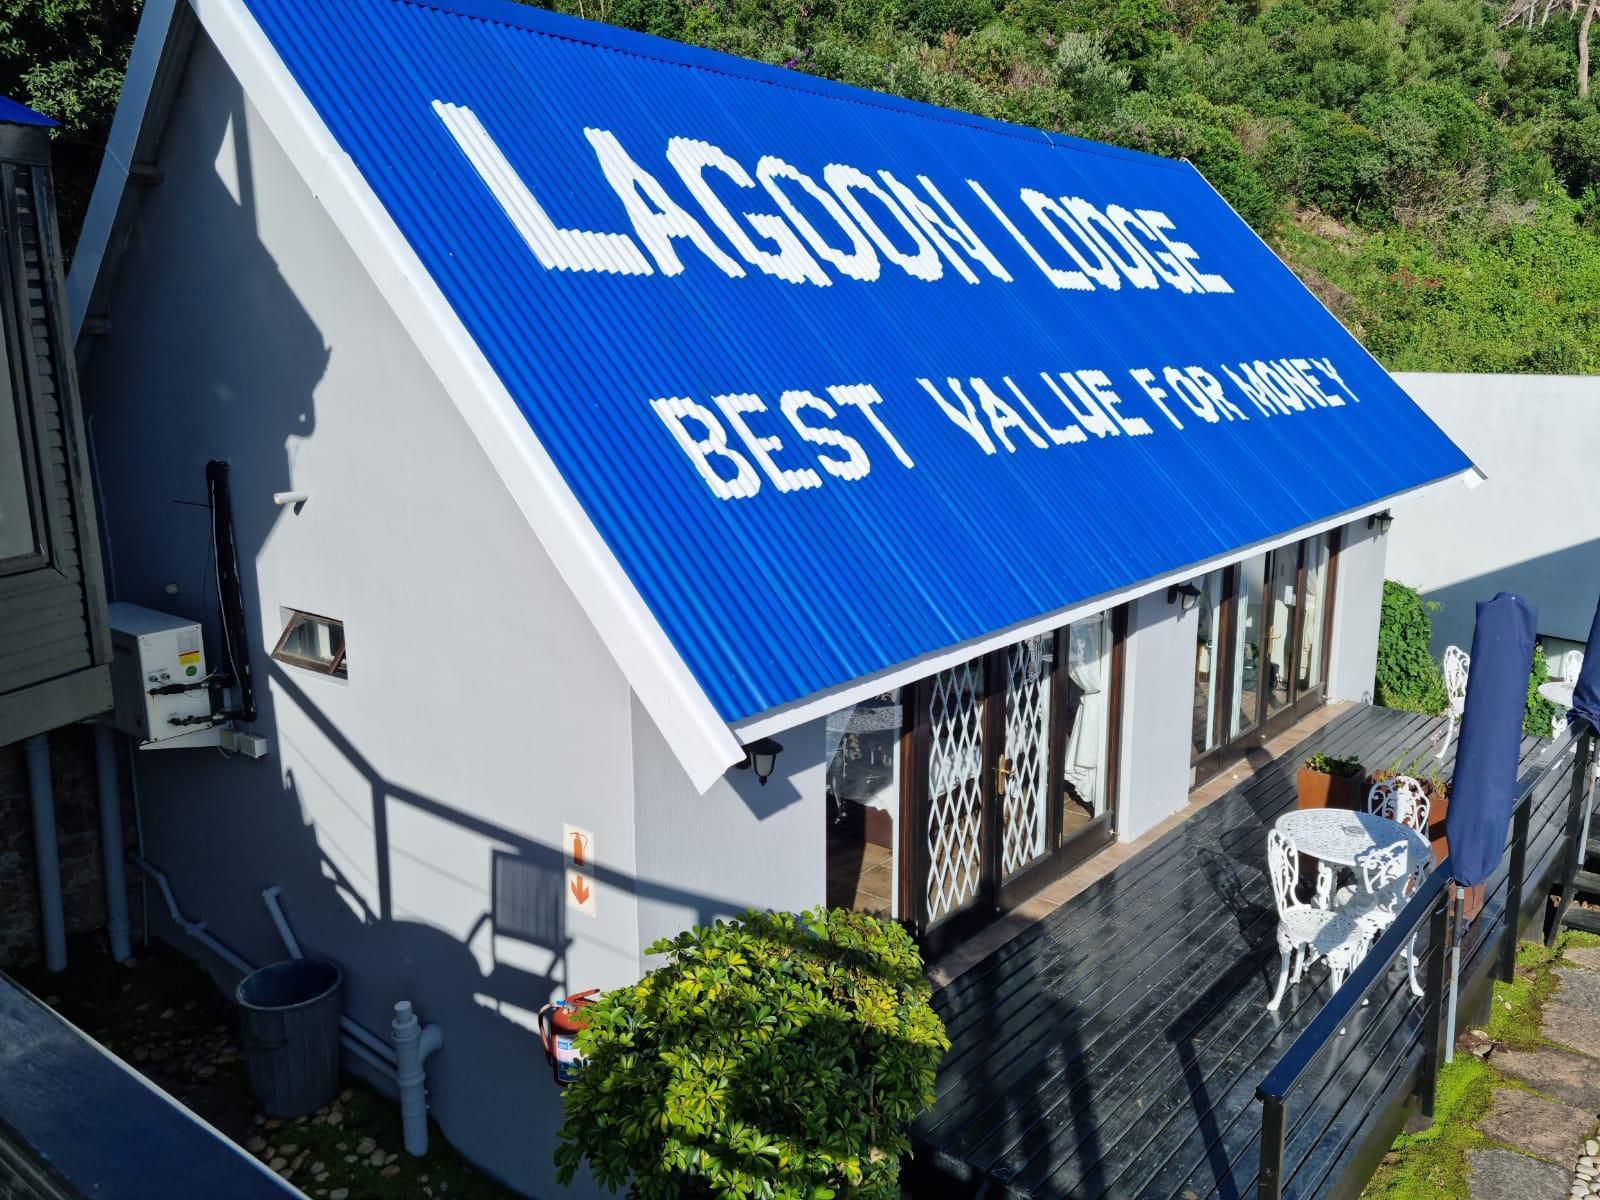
<point x="166" y="1018"/>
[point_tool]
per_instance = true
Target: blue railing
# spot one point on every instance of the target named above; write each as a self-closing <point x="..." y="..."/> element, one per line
<point x="1425" y="916"/>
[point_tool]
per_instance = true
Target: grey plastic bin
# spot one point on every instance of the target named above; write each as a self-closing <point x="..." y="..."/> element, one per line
<point x="289" y="1013"/>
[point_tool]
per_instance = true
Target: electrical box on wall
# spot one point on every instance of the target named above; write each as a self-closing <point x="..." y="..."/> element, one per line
<point x="158" y="669"/>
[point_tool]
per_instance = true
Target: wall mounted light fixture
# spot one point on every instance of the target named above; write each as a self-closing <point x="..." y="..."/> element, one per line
<point x="762" y="755"/>
<point x="1381" y="521"/>
<point x="1185" y="594"/>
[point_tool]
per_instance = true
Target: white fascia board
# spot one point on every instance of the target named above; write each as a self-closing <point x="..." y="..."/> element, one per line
<point x="100" y="222"/>
<point x="811" y="708"/>
<point x="680" y="708"/>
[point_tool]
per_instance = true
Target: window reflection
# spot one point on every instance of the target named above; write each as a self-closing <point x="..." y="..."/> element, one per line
<point x="1207" y="660"/>
<point x="1244" y="707"/>
<point x="1089" y="715"/>
<point x="1314" y="606"/>
<point x="863" y="756"/>
<point x="17" y="536"/>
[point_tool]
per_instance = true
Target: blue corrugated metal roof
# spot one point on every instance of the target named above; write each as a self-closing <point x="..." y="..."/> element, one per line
<point x="13" y="113"/>
<point x="995" y="489"/>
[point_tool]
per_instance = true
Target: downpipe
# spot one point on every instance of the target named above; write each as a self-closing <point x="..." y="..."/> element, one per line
<point x="46" y="853"/>
<point x="111" y="846"/>
<point x="406" y="1059"/>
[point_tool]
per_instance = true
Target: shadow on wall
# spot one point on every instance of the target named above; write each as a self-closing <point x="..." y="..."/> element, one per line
<point x="1562" y="585"/>
<point x="220" y="358"/>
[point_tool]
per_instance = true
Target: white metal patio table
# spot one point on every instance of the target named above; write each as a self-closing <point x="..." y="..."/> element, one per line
<point x="1336" y="837"/>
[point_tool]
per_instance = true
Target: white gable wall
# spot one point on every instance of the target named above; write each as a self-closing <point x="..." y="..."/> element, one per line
<point x="482" y="711"/>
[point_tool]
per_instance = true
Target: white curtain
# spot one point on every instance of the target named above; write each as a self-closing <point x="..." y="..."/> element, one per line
<point x="1085" y="658"/>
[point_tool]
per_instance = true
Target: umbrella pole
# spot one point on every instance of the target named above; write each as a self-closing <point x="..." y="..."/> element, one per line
<point x="1455" y="973"/>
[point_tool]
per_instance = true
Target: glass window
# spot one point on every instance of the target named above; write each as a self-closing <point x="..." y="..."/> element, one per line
<point x="1283" y="599"/>
<point x="863" y="756"/>
<point x="1245" y="705"/>
<point x="313" y="642"/>
<point x="1314" y="607"/>
<point x="1207" y="660"/>
<point x="18" y="528"/>
<point x="1089" y="722"/>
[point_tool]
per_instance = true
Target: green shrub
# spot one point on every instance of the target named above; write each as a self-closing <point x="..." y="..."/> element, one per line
<point x="1537" y="717"/>
<point x="777" y="1055"/>
<point x="1407" y="678"/>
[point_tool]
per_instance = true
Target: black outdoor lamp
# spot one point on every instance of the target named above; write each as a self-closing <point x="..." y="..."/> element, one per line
<point x="1186" y="594"/>
<point x="1381" y="521"/>
<point x="763" y="756"/>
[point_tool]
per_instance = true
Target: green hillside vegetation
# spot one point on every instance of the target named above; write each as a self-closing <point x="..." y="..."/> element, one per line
<point x="1431" y="177"/>
<point x="1434" y="178"/>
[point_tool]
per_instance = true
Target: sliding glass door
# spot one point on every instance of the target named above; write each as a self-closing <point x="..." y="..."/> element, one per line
<point x="954" y="799"/>
<point x="1261" y="649"/>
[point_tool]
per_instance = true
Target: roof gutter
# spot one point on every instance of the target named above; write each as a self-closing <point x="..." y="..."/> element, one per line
<point x="819" y="705"/>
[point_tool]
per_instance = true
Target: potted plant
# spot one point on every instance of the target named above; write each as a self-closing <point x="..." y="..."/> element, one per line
<point x="1326" y="781"/>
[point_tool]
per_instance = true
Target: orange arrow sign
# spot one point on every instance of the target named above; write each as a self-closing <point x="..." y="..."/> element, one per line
<point x="577" y="849"/>
<point x="579" y="889"/>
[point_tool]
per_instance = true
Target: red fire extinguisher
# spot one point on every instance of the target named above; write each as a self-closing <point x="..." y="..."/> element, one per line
<point x="559" y="1023"/>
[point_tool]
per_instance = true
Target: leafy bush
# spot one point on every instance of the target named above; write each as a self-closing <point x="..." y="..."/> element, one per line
<point x="1540" y="713"/>
<point x="1342" y="768"/>
<point x="776" y="1055"/>
<point x="1407" y="677"/>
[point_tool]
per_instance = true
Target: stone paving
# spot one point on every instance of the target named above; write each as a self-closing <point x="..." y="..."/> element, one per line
<point x="1551" y="1125"/>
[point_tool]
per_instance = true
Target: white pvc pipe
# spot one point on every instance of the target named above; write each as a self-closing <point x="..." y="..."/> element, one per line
<point x="195" y="929"/>
<point x="111" y="848"/>
<point x="47" y="856"/>
<point x="413" y="1043"/>
<point x="283" y="499"/>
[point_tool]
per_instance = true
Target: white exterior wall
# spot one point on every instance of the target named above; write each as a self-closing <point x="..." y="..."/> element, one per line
<point x="1357" y="608"/>
<point x="1532" y="528"/>
<point x="482" y="710"/>
<point x="741" y="845"/>
<point x="1157" y="713"/>
<point x="1158" y="680"/>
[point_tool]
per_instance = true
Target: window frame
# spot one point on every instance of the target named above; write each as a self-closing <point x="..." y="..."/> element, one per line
<point x="335" y="668"/>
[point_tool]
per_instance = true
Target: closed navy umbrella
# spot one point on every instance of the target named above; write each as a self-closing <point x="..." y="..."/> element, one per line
<point x="1586" y="695"/>
<point x="1484" y="786"/>
<point x="1485" y="782"/>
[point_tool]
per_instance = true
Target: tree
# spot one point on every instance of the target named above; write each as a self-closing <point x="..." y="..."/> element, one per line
<point x="1525" y="12"/>
<point x="66" y="59"/>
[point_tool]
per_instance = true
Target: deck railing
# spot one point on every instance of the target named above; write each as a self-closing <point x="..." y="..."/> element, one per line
<point x="1426" y="917"/>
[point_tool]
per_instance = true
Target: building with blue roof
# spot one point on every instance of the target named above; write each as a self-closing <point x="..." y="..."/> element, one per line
<point x="664" y="483"/>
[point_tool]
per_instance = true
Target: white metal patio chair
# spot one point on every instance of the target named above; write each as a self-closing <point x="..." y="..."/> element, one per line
<point x="1571" y="668"/>
<point x="1385" y="885"/>
<point x="1402" y="799"/>
<point x="1457" y="666"/>
<point x="1306" y="932"/>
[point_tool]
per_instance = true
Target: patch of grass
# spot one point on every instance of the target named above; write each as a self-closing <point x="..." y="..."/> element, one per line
<point x="1432" y="1164"/>
<point x="1518" y="1006"/>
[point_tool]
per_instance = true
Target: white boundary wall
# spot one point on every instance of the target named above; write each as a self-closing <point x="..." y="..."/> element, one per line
<point x="1533" y="527"/>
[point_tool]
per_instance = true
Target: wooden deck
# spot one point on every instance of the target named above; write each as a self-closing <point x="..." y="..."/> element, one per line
<point x="1114" y="1048"/>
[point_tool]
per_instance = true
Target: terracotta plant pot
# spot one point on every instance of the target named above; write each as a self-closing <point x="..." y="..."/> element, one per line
<point x="1318" y="789"/>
